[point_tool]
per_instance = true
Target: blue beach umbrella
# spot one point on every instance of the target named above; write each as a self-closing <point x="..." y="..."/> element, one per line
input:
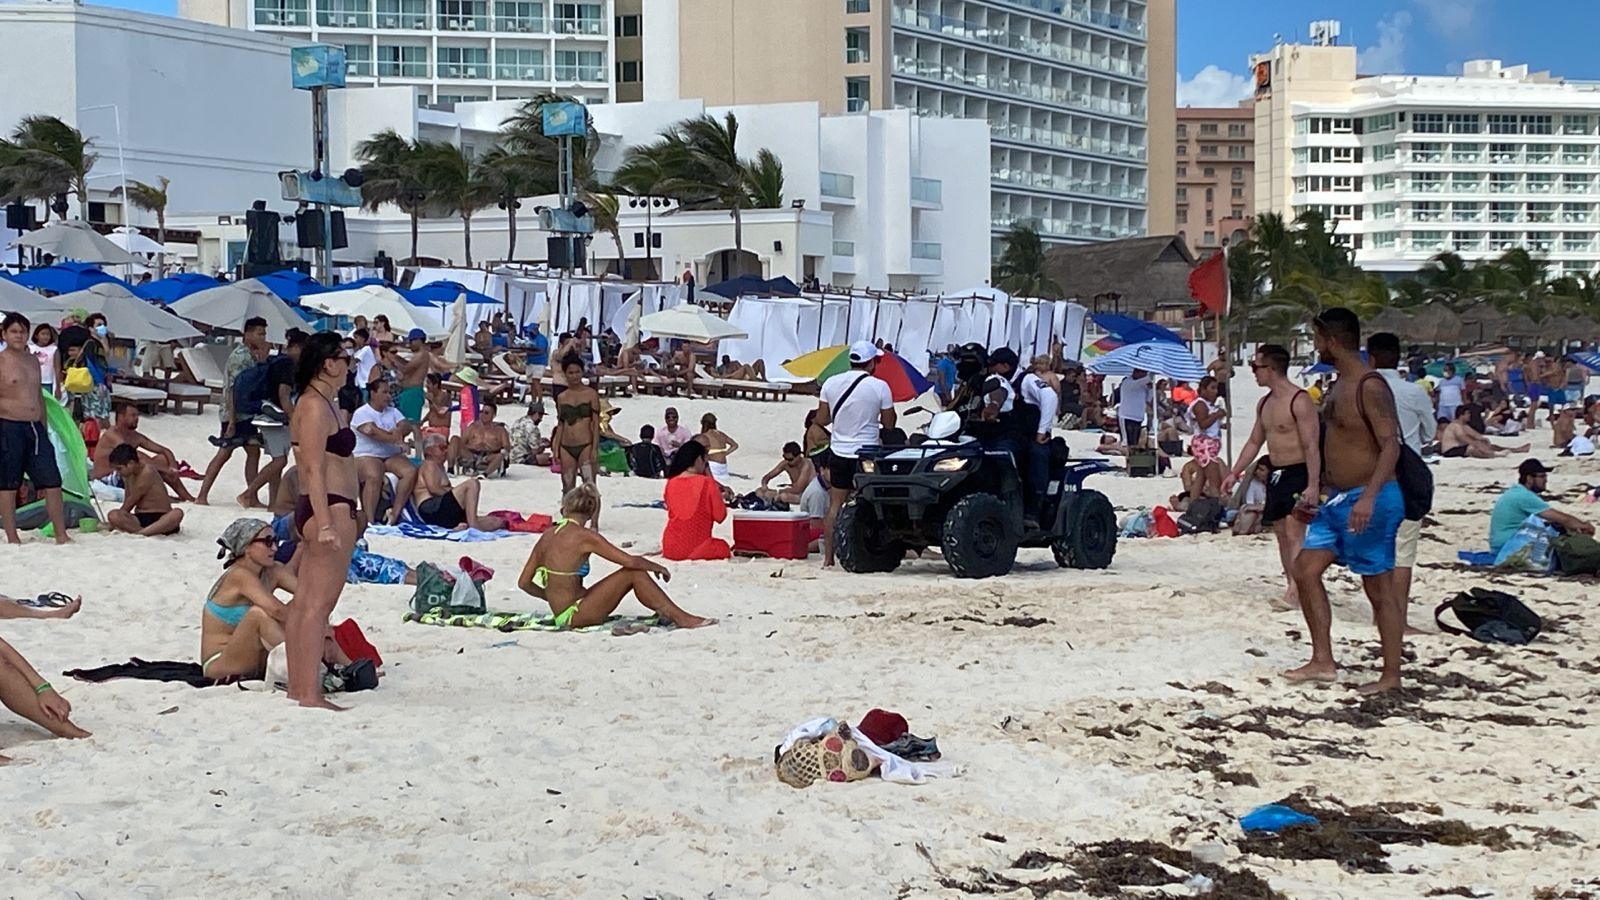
<point x="173" y="288"/>
<point x="444" y="293"/>
<point x="290" y="285"/>
<point x="1129" y="330"/>
<point x="66" y="277"/>
<point x="1164" y="358"/>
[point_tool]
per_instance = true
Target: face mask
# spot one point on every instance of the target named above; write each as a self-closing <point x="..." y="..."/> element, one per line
<point x="100" y="330"/>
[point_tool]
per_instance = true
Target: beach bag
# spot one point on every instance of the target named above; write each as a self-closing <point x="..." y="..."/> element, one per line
<point x="1530" y="549"/>
<point x="1136" y="525"/>
<point x="79" y="380"/>
<point x="1576" y="554"/>
<point x="1162" y="523"/>
<point x="460" y="596"/>
<point x="251" y="388"/>
<point x="1493" y="617"/>
<point x="612" y="457"/>
<point x="1414" y="476"/>
<point x="835" y="756"/>
<point x="1203" y="515"/>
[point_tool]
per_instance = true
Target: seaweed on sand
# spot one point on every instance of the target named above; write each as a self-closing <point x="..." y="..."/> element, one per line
<point x="1354" y="836"/>
<point x="1110" y="869"/>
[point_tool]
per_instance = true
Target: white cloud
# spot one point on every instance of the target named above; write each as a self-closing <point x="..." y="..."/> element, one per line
<point x="1214" y="86"/>
<point x="1387" y="56"/>
<point x="1454" y="20"/>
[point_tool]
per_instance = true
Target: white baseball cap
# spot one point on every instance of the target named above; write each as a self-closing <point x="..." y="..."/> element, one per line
<point x="863" y="351"/>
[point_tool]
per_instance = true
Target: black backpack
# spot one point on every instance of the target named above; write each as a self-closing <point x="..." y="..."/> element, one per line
<point x="1493" y="617"/>
<point x="1203" y="515"/>
<point x="253" y="387"/>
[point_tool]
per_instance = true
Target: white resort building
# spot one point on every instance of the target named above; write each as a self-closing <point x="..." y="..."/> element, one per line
<point x="1408" y="166"/>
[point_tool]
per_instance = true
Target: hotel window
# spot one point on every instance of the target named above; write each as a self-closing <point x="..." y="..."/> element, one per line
<point x="283" y="12"/>
<point x="463" y="62"/>
<point x="1382" y="182"/>
<point x="1504" y="153"/>
<point x="628" y="71"/>
<point x="1238" y="173"/>
<point x="1238" y="194"/>
<point x="1384" y="210"/>
<point x="1210" y="194"/>
<point x="1183" y="171"/>
<point x="627" y="26"/>
<point x="1541" y="182"/>
<point x="1302" y="126"/>
<point x="1541" y="154"/>
<point x="1385" y="122"/>
<point x="1432" y="240"/>
<point x="1346" y="183"/>
<point x="1208" y="149"/>
<point x="358" y="60"/>
<point x="1505" y="212"/>
<point x="1574" y="124"/>
<point x="1501" y="123"/>
<point x="1302" y="155"/>
<point x="1211" y="217"/>
<point x="1183" y="194"/>
<point x="857" y="6"/>
<point x="1575" y="212"/>
<point x="1209" y="172"/>
<point x="580" y="65"/>
<point x="1428" y="182"/>
<point x="1181" y="213"/>
<point x="1541" y="212"/>
<point x="1236" y="130"/>
<point x="1236" y="213"/>
<point x="412" y="14"/>
<point x="519" y="64"/>
<point x="1502" y="182"/>
<point x="1383" y="152"/>
<point x="1537" y="125"/>
<point x="1428" y="123"/>
<point x="1183" y="130"/>
<point x="1236" y="152"/>
<point x="1462" y="123"/>
<point x="1427" y="212"/>
<point x="521" y="18"/>
<point x="1209" y="238"/>
<point x="1575" y="154"/>
<point x="463" y="15"/>
<point x="577" y="18"/>
<point x="402" y="61"/>
<point x="1183" y="149"/>
<point x="1573" y="183"/>
<point x="1577" y="242"/>
<point x="1208" y="128"/>
<point x="344" y="13"/>
<point x="453" y="99"/>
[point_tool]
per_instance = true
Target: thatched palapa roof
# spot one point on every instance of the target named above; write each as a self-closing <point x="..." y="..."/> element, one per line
<point x="1146" y="272"/>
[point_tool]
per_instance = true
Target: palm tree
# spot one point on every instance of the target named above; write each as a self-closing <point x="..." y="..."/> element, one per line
<point x="701" y="169"/>
<point x="153" y="199"/>
<point x="1020" y="271"/>
<point x="395" y="171"/>
<point x="764" y="175"/>
<point x="55" y="157"/>
<point x="1451" y="280"/>
<point x="1515" y="283"/>
<point x="456" y="184"/>
<point x="512" y="176"/>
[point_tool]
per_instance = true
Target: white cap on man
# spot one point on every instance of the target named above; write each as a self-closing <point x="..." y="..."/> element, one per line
<point x="863" y="351"/>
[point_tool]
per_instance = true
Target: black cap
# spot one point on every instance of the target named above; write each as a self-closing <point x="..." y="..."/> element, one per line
<point x="1532" y="467"/>
<point x="1004" y="355"/>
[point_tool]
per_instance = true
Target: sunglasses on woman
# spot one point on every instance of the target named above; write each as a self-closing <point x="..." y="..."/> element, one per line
<point x="270" y="540"/>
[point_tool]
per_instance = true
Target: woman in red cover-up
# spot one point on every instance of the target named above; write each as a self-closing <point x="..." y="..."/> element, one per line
<point x="694" y="505"/>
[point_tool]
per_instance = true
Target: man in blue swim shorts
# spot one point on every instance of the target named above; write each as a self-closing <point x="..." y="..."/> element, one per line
<point x="1356" y="526"/>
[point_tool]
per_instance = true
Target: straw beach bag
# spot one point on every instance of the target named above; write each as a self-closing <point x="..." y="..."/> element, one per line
<point x="834" y="756"/>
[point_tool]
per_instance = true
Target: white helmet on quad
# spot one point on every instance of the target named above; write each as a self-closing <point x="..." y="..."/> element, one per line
<point x="944" y="426"/>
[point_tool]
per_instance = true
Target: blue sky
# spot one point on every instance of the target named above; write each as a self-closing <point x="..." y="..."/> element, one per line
<point x="1418" y="37"/>
<point x="1422" y="37"/>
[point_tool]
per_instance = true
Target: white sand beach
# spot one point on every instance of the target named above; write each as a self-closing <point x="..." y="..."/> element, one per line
<point x="1146" y="706"/>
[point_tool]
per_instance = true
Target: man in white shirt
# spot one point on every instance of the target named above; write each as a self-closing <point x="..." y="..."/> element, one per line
<point x="1414" y="409"/>
<point x="1134" y="406"/>
<point x="1033" y="415"/>
<point x="857" y="405"/>
<point x="366" y="358"/>
<point x="381" y="431"/>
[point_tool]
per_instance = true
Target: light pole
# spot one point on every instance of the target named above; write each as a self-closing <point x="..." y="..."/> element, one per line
<point x="649" y="203"/>
<point x="122" y="166"/>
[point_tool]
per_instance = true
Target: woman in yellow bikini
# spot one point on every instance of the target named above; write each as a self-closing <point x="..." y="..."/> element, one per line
<point x="560" y="561"/>
<point x="577" y="434"/>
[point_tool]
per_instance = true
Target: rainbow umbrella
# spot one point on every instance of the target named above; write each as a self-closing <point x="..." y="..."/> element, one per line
<point x="905" y="382"/>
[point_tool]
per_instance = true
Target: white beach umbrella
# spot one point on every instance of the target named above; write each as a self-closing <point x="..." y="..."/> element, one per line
<point x="1161" y="357"/>
<point x="228" y="306"/>
<point x="690" y="323"/>
<point x="344" y="302"/>
<point x="630" y="336"/>
<point x="130" y="239"/>
<point x="455" y="342"/>
<point x="75" y="240"/>
<point x="127" y="314"/>
<point x="18" y="299"/>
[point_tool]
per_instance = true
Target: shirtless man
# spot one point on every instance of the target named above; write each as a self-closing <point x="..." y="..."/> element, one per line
<point x="25" y="446"/>
<point x="410" y="394"/>
<point x="682" y="366"/>
<point x="800" y="471"/>
<point x="125" y="430"/>
<point x="485" y="442"/>
<point x="1357" y="525"/>
<point x="1460" y="440"/>
<point x="146" y="509"/>
<point x="741" y="372"/>
<point x="1286" y="422"/>
<point x="438" y="502"/>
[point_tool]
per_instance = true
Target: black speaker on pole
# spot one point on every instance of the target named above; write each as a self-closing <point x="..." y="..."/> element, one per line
<point x="558" y="252"/>
<point x="308" y="231"/>
<point x="19" y="216"/>
<point x="261" y="226"/>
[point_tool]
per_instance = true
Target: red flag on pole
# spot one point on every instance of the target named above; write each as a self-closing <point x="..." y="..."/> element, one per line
<point x="1208" y="283"/>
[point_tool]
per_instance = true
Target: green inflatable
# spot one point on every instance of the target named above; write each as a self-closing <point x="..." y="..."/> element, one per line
<point x="72" y="459"/>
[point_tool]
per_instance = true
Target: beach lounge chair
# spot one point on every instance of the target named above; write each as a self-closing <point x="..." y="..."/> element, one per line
<point x="731" y="387"/>
<point x="147" y="399"/>
<point x="201" y="365"/>
<point x="158" y="365"/>
<point x="502" y="365"/>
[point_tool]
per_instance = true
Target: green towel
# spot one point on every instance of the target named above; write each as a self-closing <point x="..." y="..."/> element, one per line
<point x="505" y="621"/>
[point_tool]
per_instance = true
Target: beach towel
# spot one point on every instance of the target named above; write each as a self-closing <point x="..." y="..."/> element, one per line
<point x="1481" y="558"/>
<point x="506" y="621"/>
<point x="146" y="670"/>
<point x="435" y="533"/>
<point x="532" y="523"/>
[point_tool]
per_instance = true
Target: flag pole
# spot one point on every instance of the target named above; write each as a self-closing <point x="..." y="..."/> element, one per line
<point x="1227" y="367"/>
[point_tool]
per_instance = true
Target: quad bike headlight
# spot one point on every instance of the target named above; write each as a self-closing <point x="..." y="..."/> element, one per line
<point x="953" y="464"/>
<point x="869" y="467"/>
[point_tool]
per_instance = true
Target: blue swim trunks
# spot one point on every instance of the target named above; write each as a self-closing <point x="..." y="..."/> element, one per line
<point x="1368" y="552"/>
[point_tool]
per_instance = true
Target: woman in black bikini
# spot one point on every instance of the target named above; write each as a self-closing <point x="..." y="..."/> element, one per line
<point x="577" y="436"/>
<point x="325" y="514"/>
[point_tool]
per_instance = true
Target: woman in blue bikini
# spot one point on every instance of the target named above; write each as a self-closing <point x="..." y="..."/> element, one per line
<point x="243" y="618"/>
<point x="560" y="561"/>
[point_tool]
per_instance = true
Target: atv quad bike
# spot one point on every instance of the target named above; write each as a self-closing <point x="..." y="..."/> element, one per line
<point x="948" y="492"/>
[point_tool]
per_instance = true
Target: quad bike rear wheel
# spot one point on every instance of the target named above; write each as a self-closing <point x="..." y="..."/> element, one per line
<point x="1087" y="538"/>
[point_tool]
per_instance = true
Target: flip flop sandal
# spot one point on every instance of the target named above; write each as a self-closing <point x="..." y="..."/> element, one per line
<point x="52" y="600"/>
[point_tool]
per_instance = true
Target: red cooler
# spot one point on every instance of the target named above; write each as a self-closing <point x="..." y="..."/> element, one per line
<point x="781" y="535"/>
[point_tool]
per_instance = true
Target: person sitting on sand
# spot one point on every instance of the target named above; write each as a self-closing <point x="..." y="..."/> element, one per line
<point x="146" y="509"/>
<point x="243" y="618"/>
<point x="381" y="431"/>
<point x="694" y="506"/>
<point x="559" y="562"/>
<point x="737" y="371"/>
<point x="1522" y="501"/>
<point x="125" y="430"/>
<point x="718" y="445"/>
<point x="25" y="692"/>
<point x="528" y="445"/>
<point x="1252" y="499"/>
<point x="800" y="471"/>
<point x="644" y="457"/>
<point x="440" y="504"/>
<point x="485" y="443"/>
<point x="1461" y="440"/>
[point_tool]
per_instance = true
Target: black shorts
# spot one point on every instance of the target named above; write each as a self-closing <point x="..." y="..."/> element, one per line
<point x="244" y="435"/>
<point x="444" y="511"/>
<point x="842" y="472"/>
<point x="1132" y="431"/>
<point x="26" y="450"/>
<point x="1284" y="487"/>
<point x="146" y="519"/>
<point x="1459" y="452"/>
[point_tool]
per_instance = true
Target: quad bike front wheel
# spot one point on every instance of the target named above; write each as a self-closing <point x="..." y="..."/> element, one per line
<point x="859" y="543"/>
